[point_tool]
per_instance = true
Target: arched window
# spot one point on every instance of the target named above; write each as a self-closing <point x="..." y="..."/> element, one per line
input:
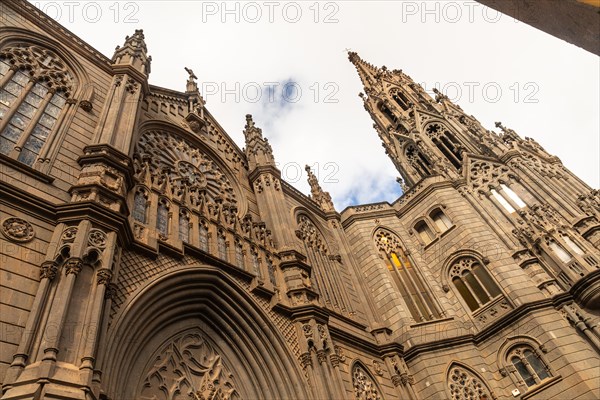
<point x="463" y="384"/>
<point x="418" y="161"/>
<point x="222" y="245"/>
<point x="325" y="274"/>
<point x="513" y="196"/>
<point x="473" y="282"/>
<point x="503" y="202"/>
<point x="365" y="387"/>
<point x="163" y="219"/>
<point x="255" y="262"/>
<point x="184" y="226"/>
<point x="410" y="284"/>
<point x="572" y="245"/>
<point x="271" y="270"/>
<point x="507" y="198"/>
<point x="140" y="205"/>
<point x="528" y="365"/>
<point x="560" y="252"/>
<point x="424" y="231"/>
<point x="203" y="235"/>
<point x="401" y="99"/>
<point x="441" y="221"/>
<point x="388" y="114"/>
<point x="445" y="141"/>
<point x="35" y="86"/>
<point x="239" y="254"/>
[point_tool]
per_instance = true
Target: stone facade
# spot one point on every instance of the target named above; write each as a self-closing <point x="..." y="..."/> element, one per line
<point x="146" y="256"/>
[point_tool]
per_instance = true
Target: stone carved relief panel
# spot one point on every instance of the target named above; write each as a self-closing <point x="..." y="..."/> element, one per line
<point x="17" y="230"/>
<point x="188" y="368"/>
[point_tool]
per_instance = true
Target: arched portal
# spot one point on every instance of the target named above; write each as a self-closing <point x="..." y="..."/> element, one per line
<point x="205" y="328"/>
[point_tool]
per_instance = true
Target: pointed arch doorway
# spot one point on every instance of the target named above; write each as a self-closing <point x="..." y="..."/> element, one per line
<point x="195" y="333"/>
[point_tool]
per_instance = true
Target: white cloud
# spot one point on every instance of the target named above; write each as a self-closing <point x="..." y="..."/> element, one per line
<point x="534" y="83"/>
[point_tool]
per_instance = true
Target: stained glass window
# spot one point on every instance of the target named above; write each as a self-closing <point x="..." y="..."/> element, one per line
<point x="139" y="207"/>
<point x="162" y="219"/>
<point x="203" y="236"/>
<point x="30" y="102"/>
<point x="184" y="227"/>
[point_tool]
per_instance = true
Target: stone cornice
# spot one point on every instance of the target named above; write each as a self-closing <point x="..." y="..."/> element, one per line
<point x="264" y="169"/>
<point x="27" y="203"/>
<point x="400" y="207"/>
<point x="487" y="333"/>
<point x="98" y="215"/>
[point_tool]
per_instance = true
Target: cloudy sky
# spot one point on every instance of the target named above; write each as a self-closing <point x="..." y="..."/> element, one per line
<point x="285" y="62"/>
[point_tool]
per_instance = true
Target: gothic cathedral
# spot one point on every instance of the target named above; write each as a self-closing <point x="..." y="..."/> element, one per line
<point x="146" y="256"/>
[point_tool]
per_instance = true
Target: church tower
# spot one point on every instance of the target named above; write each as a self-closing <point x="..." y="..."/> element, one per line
<point x="532" y="198"/>
<point x="145" y="255"/>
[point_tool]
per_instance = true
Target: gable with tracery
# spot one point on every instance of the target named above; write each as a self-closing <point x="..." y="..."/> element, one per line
<point x="481" y="174"/>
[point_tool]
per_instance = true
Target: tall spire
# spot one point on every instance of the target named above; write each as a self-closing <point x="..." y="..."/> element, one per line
<point x="323" y="199"/>
<point x="134" y="53"/>
<point x="368" y="73"/>
<point x="409" y="123"/>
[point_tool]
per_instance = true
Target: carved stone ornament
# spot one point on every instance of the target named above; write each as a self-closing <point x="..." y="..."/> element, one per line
<point x="364" y="387"/>
<point x="69" y="234"/>
<point x="340" y="353"/>
<point x="73" y="266"/>
<point x="110" y="291"/>
<point x="104" y="276"/>
<point x="188" y="368"/>
<point x="17" y="230"/>
<point x="377" y="368"/>
<point x="321" y="356"/>
<point x="464" y="385"/>
<point x="97" y="239"/>
<point x="48" y="270"/>
<point x="181" y="170"/>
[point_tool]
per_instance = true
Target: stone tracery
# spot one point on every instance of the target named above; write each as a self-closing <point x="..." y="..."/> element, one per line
<point x="464" y="385"/>
<point x="364" y="386"/>
<point x="181" y="169"/>
<point x="189" y="368"/>
<point x="42" y="63"/>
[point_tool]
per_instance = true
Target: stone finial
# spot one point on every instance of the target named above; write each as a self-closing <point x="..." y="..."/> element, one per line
<point x="322" y="198"/>
<point x="507" y="132"/>
<point x="134" y="53"/>
<point x="258" y="149"/>
<point x="192" y="85"/>
<point x="251" y="131"/>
